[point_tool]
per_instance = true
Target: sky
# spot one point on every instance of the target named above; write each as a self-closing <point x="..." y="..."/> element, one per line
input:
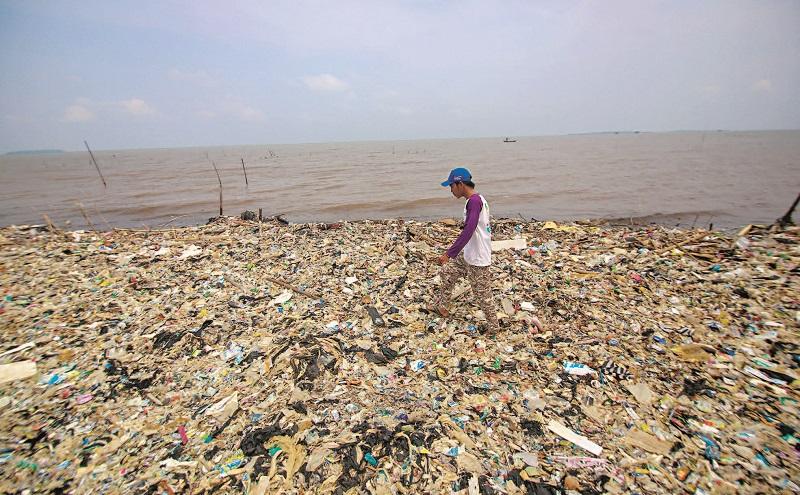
<point x="144" y="74"/>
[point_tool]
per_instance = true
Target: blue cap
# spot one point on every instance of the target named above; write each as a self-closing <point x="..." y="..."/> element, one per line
<point x="457" y="175"/>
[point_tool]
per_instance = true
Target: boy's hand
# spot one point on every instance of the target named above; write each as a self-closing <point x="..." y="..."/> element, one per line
<point x="443" y="258"/>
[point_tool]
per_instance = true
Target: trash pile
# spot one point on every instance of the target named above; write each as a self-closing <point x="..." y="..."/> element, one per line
<point x="262" y="358"/>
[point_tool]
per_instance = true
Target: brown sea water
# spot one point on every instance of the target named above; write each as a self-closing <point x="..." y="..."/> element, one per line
<point x="728" y="178"/>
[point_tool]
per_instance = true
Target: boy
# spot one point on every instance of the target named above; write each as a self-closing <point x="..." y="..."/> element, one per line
<point x="471" y="253"/>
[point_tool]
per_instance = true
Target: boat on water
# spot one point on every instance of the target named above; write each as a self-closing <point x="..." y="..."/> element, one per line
<point x="506" y="140"/>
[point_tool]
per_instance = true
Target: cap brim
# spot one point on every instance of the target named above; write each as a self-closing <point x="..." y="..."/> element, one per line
<point x="446" y="183"/>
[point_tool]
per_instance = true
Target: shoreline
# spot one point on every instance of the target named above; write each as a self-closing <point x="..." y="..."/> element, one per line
<point x="192" y="359"/>
<point x="658" y="220"/>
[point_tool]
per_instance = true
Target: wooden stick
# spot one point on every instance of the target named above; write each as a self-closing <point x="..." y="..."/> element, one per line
<point x="172" y="220"/>
<point x="787" y="218"/>
<point x="684" y="242"/>
<point x="52" y="228"/>
<point x="220" y="186"/>
<point x="245" y="172"/>
<point x="86" y="217"/>
<point x="148" y="229"/>
<point x="95" y="164"/>
<point x="97" y="212"/>
<point x="290" y="286"/>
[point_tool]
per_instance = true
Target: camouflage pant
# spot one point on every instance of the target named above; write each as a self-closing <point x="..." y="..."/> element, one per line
<point x="480" y="279"/>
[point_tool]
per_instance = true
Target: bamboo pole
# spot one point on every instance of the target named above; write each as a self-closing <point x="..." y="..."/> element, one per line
<point x="786" y="219"/>
<point x="86" y="216"/>
<point x="50" y="226"/>
<point x="220" y="186"/>
<point x="97" y="212"/>
<point x="95" y="164"/>
<point x="245" y="173"/>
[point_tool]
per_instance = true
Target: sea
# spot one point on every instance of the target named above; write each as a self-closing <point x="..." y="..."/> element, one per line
<point x="722" y="179"/>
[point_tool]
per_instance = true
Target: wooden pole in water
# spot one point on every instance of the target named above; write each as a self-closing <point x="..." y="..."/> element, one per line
<point x="86" y="216"/>
<point x="50" y="226"/>
<point x="220" y="186"/>
<point x="245" y="172"/>
<point x="95" y="164"/>
<point x="787" y="218"/>
<point x="97" y="212"/>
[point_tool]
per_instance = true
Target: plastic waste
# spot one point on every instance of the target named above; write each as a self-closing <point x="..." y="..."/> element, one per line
<point x="225" y="408"/>
<point x="17" y="371"/>
<point x="578" y="369"/>
<point x="375" y="316"/>
<point x="573" y="437"/>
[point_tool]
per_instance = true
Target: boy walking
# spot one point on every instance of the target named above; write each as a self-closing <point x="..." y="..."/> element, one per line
<point x="471" y="253"/>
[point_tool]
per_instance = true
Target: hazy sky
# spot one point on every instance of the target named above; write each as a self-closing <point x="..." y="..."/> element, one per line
<point x="183" y="73"/>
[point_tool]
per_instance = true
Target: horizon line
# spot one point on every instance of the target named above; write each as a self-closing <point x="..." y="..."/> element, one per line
<point x="586" y="133"/>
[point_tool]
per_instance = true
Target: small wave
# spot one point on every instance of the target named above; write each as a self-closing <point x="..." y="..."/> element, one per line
<point x="539" y="195"/>
<point x="328" y="187"/>
<point x="351" y="207"/>
<point x="143" y="210"/>
<point x="676" y="218"/>
<point x="389" y="206"/>
<point x="419" y="203"/>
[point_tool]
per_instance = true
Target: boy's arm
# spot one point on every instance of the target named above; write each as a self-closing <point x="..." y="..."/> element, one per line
<point x="474" y="206"/>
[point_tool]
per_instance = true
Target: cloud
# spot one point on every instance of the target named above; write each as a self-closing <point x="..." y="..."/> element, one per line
<point x="325" y="82"/>
<point x="230" y="107"/>
<point x="762" y="86"/>
<point x="240" y="110"/>
<point x="138" y="107"/>
<point x="85" y="109"/>
<point x="78" y="113"/>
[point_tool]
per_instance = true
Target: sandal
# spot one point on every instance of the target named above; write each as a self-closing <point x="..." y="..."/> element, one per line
<point x="440" y="310"/>
<point x="484" y="330"/>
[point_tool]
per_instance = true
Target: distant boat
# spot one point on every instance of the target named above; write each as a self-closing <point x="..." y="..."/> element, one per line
<point x="506" y="140"/>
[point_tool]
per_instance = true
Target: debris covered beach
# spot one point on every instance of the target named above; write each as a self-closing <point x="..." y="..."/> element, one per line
<point x="263" y="358"/>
